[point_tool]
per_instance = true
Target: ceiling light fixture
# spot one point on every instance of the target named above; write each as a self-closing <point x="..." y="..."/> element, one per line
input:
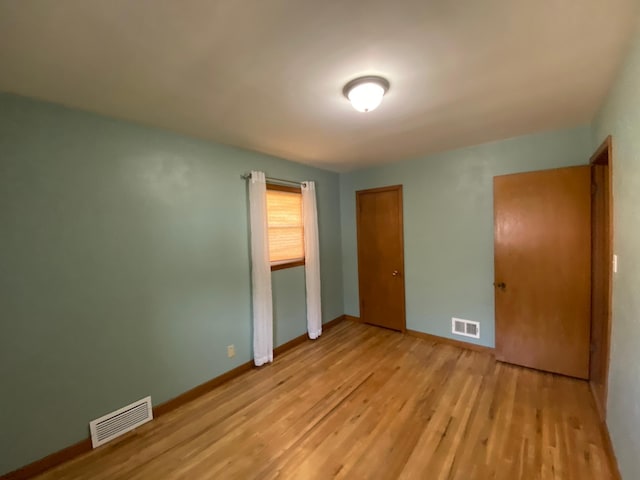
<point x="365" y="93"/>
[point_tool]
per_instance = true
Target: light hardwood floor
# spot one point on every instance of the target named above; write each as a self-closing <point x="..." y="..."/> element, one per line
<point x="368" y="403"/>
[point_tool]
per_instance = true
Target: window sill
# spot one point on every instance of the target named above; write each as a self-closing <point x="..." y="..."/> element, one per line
<point x="282" y="266"/>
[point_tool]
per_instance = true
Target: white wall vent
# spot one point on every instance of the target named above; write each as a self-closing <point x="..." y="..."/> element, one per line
<point x="466" y="328"/>
<point x="123" y="420"/>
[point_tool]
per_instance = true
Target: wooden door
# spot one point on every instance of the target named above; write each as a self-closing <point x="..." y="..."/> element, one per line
<point x="381" y="257"/>
<point x="601" y="273"/>
<point x="542" y="256"/>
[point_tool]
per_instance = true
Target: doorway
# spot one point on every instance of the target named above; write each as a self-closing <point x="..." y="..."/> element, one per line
<point x="381" y="257"/>
<point x="601" y="272"/>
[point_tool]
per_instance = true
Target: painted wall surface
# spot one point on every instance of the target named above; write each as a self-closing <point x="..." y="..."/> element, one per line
<point x="620" y="117"/>
<point x="448" y="224"/>
<point x="289" y="307"/>
<point x="124" y="268"/>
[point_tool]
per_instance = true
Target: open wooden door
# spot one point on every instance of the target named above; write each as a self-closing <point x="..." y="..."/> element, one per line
<point x="601" y="272"/>
<point x="381" y="257"/>
<point x="542" y="255"/>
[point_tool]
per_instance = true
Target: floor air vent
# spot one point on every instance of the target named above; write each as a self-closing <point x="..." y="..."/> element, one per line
<point x="465" y="327"/>
<point x="112" y="425"/>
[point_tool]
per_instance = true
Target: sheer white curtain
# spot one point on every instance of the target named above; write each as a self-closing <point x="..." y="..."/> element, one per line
<point x="311" y="259"/>
<point x="260" y="271"/>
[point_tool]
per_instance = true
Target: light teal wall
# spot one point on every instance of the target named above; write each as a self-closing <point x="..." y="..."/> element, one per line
<point x="124" y="268"/>
<point x="289" y="305"/>
<point x="448" y="224"/>
<point x="620" y="117"/>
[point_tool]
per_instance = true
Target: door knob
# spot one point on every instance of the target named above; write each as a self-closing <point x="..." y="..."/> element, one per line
<point x="501" y="285"/>
<point x="395" y="273"/>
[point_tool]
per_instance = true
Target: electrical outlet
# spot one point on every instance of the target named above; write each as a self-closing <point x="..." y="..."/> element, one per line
<point x="231" y="351"/>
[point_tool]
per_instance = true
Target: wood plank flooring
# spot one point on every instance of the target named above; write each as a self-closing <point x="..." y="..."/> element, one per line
<point x="368" y="403"/>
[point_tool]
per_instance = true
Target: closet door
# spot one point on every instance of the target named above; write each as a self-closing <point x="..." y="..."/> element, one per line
<point x="381" y="257"/>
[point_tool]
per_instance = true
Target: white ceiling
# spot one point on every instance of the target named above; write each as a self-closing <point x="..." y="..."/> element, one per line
<point x="267" y="75"/>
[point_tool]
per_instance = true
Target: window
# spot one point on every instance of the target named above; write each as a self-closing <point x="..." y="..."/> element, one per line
<point x="284" y="220"/>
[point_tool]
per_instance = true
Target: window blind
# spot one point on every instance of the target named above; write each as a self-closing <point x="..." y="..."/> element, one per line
<point x="284" y="219"/>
